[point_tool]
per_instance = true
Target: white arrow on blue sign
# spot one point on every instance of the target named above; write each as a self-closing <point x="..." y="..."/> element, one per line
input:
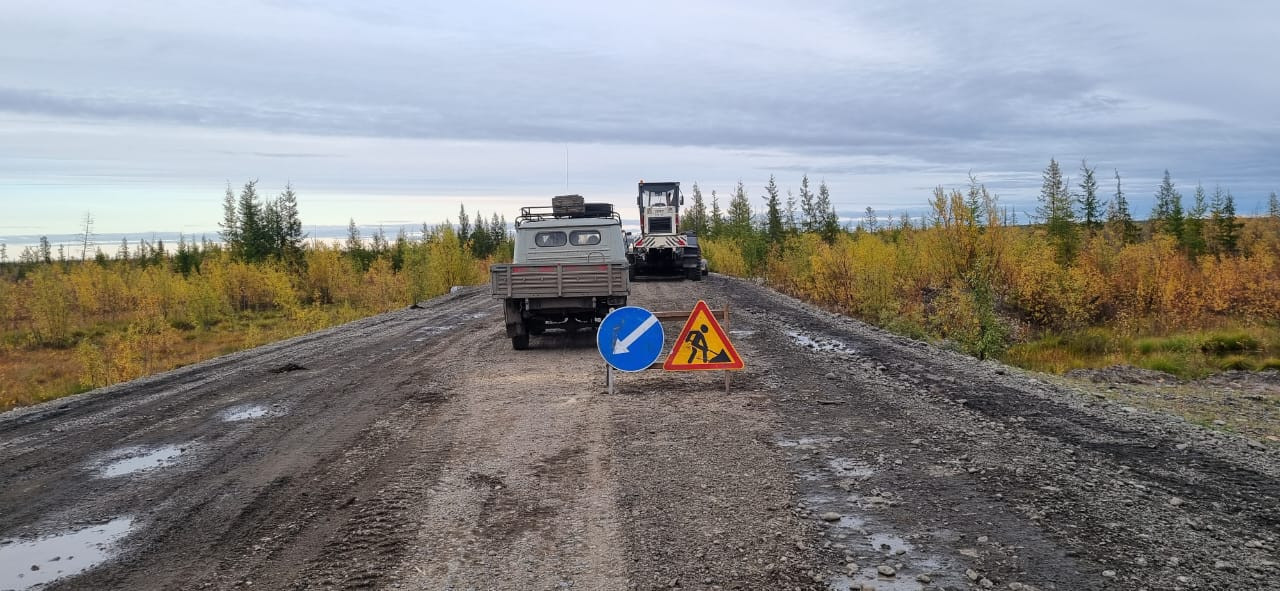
<point x="630" y="338"/>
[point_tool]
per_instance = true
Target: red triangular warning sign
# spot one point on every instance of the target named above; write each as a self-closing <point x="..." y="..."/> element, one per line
<point x="702" y="344"/>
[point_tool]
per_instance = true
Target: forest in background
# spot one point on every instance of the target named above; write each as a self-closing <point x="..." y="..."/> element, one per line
<point x="1192" y="290"/>
<point x="69" y="325"/>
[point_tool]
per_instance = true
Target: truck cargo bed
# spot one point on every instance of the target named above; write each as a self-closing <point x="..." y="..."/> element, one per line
<point x="558" y="280"/>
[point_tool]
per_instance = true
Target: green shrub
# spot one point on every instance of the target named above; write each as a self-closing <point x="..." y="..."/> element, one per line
<point x="1167" y="363"/>
<point x="1229" y="342"/>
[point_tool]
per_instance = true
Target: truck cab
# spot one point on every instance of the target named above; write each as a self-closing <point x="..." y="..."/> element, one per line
<point x="568" y="271"/>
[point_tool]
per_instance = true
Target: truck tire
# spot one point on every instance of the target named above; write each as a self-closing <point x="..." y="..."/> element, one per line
<point x="694" y="274"/>
<point x="520" y="342"/>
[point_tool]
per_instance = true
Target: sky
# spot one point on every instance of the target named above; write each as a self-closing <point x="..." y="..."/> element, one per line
<point x="396" y="113"/>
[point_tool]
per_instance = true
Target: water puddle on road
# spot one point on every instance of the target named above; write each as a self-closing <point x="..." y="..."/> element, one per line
<point x="139" y="458"/>
<point x="245" y="413"/>
<point x="847" y="468"/>
<point x="820" y="344"/>
<point x="27" y="564"/>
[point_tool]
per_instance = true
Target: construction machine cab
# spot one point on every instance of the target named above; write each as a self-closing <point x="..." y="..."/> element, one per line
<point x="659" y="194"/>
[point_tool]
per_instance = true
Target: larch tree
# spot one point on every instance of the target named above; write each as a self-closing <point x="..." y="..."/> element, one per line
<point x="230" y="224"/>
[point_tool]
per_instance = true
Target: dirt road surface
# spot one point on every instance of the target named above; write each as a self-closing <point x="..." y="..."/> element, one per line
<point x="417" y="450"/>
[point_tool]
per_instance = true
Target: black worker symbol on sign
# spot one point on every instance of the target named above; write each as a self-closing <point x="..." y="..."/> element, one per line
<point x="697" y="340"/>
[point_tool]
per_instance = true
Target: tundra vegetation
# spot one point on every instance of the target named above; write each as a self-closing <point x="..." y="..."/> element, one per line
<point x="69" y="325"/>
<point x="1190" y="291"/>
<point x="1079" y="283"/>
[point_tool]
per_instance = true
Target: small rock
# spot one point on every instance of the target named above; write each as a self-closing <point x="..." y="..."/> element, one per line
<point x="1183" y="579"/>
<point x="1110" y="574"/>
<point x="1223" y="565"/>
<point x="1254" y="544"/>
<point x="1173" y="561"/>
<point x="1219" y="422"/>
<point x="831" y="375"/>
<point x="983" y="539"/>
<point x="1255" y="444"/>
<point x="35" y="567"/>
<point x="985" y="583"/>
<point x="886" y="570"/>
<point x="1182" y="446"/>
<point x="1175" y="501"/>
<point x="830" y="516"/>
<point x="926" y="579"/>
<point x="972" y="575"/>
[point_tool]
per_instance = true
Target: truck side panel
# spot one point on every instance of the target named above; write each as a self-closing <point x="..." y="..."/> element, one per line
<point x="558" y="280"/>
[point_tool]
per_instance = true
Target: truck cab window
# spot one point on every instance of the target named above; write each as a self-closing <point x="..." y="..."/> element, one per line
<point x="584" y="238"/>
<point x="549" y="239"/>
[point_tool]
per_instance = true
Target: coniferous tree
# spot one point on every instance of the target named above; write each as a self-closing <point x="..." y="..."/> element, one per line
<point x="1193" y="225"/>
<point x="254" y="237"/>
<point x="291" y="236"/>
<point x="497" y="231"/>
<point x="1090" y="207"/>
<point x="789" y="221"/>
<point x="1167" y="215"/>
<point x="716" y="225"/>
<point x="46" y="251"/>
<point x="973" y="199"/>
<point x="272" y="229"/>
<point x="696" y="219"/>
<point x="230" y="224"/>
<point x="871" y="222"/>
<point x="1056" y="211"/>
<point x="809" y="213"/>
<point x="739" y="222"/>
<point x="1119" y="218"/>
<point x="829" y="221"/>
<point x="464" y="225"/>
<point x="1224" y="230"/>
<point x="774" y="229"/>
<point x="1273" y="207"/>
<point x="123" y="253"/>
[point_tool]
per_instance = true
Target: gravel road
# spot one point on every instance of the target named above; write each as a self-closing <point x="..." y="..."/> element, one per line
<point x="416" y="450"/>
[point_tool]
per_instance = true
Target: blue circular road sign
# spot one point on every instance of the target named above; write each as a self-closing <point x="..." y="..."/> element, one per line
<point x="630" y="338"/>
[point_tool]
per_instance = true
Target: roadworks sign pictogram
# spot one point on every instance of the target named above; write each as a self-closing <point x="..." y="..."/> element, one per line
<point x="702" y="344"/>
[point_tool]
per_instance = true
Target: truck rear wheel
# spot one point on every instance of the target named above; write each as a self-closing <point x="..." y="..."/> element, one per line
<point x="520" y="342"/>
<point x="694" y="274"/>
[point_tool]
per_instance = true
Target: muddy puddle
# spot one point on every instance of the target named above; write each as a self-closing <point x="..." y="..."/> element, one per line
<point x="140" y="458"/>
<point x="30" y="563"/>
<point x="832" y="488"/>
<point x="246" y="412"/>
<point x="819" y="343"/>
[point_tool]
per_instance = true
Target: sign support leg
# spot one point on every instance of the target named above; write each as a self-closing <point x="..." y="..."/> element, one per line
<point x="608" y="377"/>
<point x="726" y="329"/>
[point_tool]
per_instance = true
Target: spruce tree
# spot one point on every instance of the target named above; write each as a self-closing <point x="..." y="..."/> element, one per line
<point x="809" y="212"/>
<point x="254" y="237"/>
<point x="1273" y="207"/>
<point x="789" y="221"/>
<point x="696" y="219"/>
<point x="464" y="225"/>
<point x="1167" y="214"/>
<point x="230" y="224"/>
<point x="1056" y="211"/>
<point x="1090" y="208"/>
<point x="1119" y="218"/>
<point x="773" y="218"/>
<point x="292" y="236"/>
<point x="717" y="217"/>
<point x="1193" y="225"/>
<point x="829" y="220"/>
<point x="739" y="222"/>
<point x="1223" y="230"/>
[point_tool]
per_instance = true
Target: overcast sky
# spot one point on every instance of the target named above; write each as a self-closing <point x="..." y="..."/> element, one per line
<point x="397" y="112"/>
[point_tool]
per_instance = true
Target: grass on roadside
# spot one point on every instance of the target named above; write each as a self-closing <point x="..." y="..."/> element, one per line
<point x="1188" y="355"/>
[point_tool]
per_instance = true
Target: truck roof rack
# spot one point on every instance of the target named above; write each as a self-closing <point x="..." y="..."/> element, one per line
<point x="538" y="213"/>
